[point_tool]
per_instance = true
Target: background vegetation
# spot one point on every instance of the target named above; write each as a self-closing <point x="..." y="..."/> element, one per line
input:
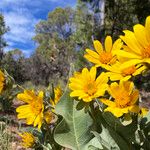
<point x="62" y="38"/>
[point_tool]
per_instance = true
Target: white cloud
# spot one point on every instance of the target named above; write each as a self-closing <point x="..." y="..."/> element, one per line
<point x="22" y="16"/>
<point x="21" y="23"/>
<point x="27" y="53"/>
<point x="21" y="27"/>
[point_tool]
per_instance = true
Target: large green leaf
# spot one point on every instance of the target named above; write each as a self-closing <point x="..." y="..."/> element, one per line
<point x="110" y="139"/>
<point x="126" y="132"/>
<point x="108" y="136"/>
<point x="74" y="129"/>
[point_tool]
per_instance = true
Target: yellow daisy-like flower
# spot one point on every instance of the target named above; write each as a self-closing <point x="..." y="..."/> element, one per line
<point x="33" y="110"/>
<point x="137" y="47"/>
<point x="125" y="98"/>
<point x="57" y="95"/>
<point x="86" y="86"/>
<point x="103" y="57"/>
<point x="2" y="79"/>
<point x="28" y="140"/>
<point x="116" y="72"/>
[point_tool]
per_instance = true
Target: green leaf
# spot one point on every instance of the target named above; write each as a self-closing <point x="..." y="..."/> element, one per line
<point x="47" y="147"/>
<point x="126" y="132"/>
<point x="74" y="129"/>
<point x="80" y="105"/>
<point x="111" y="140"/>
<point x="94" y="144"/>
<point x="110" y="135"/>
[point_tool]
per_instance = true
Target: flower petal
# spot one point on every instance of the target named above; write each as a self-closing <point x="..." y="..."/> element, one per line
<point x="131" y="42"/>
<point x="140" y="34"/>
<point x="98" y="46"/>
<point x="134" y="96"/>
<point x="92" y="59"/>
<point x="134" y="108"/>
<point x="147" y="27"/>
<point x="93" y="73"/>
<point x="130" y="63"/>
<point x="102" y="78"/>
<point x="126" y="54"/>
<point x="117" y="45"/>
<point x="92" y="53"/>
<point x="108" y="44"/>
<point x="108" y="102"/>
<point x="115" y="111"/>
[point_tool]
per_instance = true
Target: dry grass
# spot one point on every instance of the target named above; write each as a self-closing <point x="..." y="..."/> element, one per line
<point x="5" y="137"/>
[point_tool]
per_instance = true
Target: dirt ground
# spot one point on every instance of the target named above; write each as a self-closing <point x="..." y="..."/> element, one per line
<point x="10" y="126"/>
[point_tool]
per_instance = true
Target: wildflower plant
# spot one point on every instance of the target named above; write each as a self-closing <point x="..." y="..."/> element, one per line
<point x="104" y="57"/>
<point x="86" y="86"/>
<point x="8" y="91"/>
<point x="103" y="109"/>
<point x="96" y="110"/>
<point x="33" y="110"/>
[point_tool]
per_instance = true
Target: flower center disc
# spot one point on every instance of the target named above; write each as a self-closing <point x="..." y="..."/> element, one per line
<point x="90" y="88"/>
<point x="36" y="107"/>
<point x="129" y="71"/>
<point x="122" y="99"/>
<point x="105" y="57"/>
<point x="146" y="52"/>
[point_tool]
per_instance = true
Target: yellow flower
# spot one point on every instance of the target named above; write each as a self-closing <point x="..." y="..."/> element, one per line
<point x="2" y="79"/>
<point x="117" y="72"/>
<point x="57" y="95"/>
<point x="28" y="140"/>
<point x="137" y="44"/>
<point x="48" y="117"/>
<point x="103" y="57"/>
<point x="86" y="86"/>
<point x="125" y="98"/>
<point x="33" y="110"/>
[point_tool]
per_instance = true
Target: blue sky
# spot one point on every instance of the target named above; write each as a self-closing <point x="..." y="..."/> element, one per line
<point x="22" y="16"/>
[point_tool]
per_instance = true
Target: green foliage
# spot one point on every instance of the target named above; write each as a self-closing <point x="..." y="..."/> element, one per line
<point x="84" y="25"/>
<point x="55" y="45"/>
<point x="142" y="9"/>
<point x="74" y="129"/>
<point x="3" y="30"/>
<point x="117" y="16"/>
<point x="13" y="62"/>
<point x="50" y="33"/>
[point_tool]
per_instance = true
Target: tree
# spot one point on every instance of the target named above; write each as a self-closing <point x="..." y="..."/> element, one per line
<point x="142" y="9"/>
<point x="13" y="62"/>
<point x="84" y="25"/>
<point x="55" y="48"/>
<point x="118" y="15"/>
<point x="85" y="31"/>
<point x="3" y="30"/>
<point x="98" y="9"/>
